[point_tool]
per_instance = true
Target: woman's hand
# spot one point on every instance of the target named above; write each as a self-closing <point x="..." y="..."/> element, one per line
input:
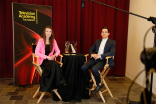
<point x="51" y="57"/>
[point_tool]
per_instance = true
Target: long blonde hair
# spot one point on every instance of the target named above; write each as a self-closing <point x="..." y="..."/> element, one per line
<point x="51" y="39"/>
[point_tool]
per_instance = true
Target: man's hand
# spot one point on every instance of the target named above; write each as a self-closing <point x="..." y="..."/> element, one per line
<point x="95" y="56"/>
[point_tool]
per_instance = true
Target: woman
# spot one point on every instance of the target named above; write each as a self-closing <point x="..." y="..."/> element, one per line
<point x="52" y="76"/>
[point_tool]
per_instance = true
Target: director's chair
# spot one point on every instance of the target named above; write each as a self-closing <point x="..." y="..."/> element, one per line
<point x="39" y="70"/>
<point x="102" y="75"/>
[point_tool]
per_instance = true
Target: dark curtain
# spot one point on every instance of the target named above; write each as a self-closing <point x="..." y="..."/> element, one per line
<point x="71" y="23"/>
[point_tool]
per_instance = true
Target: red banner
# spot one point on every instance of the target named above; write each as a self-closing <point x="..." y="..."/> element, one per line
<point x="28" y="24"/>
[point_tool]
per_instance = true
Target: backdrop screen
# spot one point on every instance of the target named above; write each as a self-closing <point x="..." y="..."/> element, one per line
<point x="29" y="22"/>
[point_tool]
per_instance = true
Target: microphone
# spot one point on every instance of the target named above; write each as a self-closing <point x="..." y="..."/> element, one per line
<point x="83" y="2"/>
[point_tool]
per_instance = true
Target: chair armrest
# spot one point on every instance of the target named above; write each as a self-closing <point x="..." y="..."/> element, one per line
<point x="60" y="60"/>
<point x="34" y="56"/>
<point x="38" y="68"/>
<point x="108" y="57"/>
<point x="60" y="55"/>
<point x="55" y="59"/>
<point x="35" y="64"/>
<point x="60" y="63"/>
<point x="106" y="67"/>
<point x="86" y="55"/>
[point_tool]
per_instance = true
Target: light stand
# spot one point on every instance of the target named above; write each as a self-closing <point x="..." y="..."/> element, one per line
<point x="152" y="19"/>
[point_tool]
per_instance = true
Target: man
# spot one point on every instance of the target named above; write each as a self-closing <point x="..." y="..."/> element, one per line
<point x="102" y="48"/>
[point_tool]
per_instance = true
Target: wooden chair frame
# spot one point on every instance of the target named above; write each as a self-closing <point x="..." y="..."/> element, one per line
<point x="38" y="68"/>
<point x="102" y="75"/>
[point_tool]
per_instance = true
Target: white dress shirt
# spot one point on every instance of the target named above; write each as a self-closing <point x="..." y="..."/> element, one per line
<point x="102" y="46"/>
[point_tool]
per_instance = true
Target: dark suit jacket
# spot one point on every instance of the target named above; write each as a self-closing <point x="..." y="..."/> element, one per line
<point x="109" y="50"/>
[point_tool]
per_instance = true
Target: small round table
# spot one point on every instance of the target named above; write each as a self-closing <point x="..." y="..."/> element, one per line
<point x="76" y="88"/>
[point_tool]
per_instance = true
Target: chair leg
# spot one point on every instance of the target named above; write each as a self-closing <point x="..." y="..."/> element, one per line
<point x="93" y="79"/>
<point x="90" y="91"/>
<point x="107" y="87"/>
<point x="102" y="96"/>
<point x="41" y="97"/>
<point x="100" y="93"/>
<point x="36" y="92"/>
<point x="55" y="90"/>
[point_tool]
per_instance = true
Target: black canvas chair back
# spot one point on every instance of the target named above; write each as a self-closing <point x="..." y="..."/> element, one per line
<point x="33" y="47"/>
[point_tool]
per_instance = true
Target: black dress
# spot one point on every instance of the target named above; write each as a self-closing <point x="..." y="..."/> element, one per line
<point x="52" y="76"/>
